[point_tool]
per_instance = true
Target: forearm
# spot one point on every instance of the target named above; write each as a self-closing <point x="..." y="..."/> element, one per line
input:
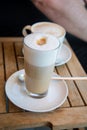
<point x="76" y="27"/>
<point x="82" y="31"/>
<point x="71" y="14"/>
<point x="74" y="21"/>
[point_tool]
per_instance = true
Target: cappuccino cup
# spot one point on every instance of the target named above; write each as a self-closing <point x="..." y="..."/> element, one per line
<point x="40" y="51"/>
<point x="48" y="28"/>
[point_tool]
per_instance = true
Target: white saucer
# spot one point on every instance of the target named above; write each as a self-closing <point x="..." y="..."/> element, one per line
<point x="16" y="92"/>
<point x="64" y="56"/>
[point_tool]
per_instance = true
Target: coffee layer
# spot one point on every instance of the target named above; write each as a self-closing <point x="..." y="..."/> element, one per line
<point x="37" y="79"/>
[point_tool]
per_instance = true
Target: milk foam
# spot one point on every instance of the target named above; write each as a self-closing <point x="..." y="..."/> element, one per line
<point x="31" y="41"/>
<point x="50" y="28"/>
<point x="43" y="55"/>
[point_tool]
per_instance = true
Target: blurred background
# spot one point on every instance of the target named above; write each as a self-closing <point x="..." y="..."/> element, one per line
<point x="14" y="15"/>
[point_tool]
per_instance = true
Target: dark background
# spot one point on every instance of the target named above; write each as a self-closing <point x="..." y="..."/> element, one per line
<point x="15" y="14"/>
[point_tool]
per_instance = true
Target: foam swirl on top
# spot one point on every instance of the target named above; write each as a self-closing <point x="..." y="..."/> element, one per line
<point x="40" y="41"/>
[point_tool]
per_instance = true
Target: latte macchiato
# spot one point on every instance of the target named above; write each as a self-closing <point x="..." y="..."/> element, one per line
<point x="40" y="52"/>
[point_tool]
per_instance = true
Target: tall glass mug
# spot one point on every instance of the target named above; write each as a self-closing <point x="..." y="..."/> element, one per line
<point x="48" y="28"/>
<point x="40" y="52"/>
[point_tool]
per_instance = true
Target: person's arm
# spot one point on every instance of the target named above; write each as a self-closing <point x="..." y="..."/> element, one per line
<point x="71" y="14"/>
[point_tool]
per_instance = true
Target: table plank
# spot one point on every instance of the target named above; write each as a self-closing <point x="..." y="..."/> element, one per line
<point x="73" y="92"/>
<point x="18" y="48"/>
<point x="2" y="82"/>
<point x="10" y="61"/>
<point x="10" y="68"/>
<point x="63" y="118"/>
<point x="19" y="54"/>
<point x="11" y="39"/>
<point x="77" y="70"/>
